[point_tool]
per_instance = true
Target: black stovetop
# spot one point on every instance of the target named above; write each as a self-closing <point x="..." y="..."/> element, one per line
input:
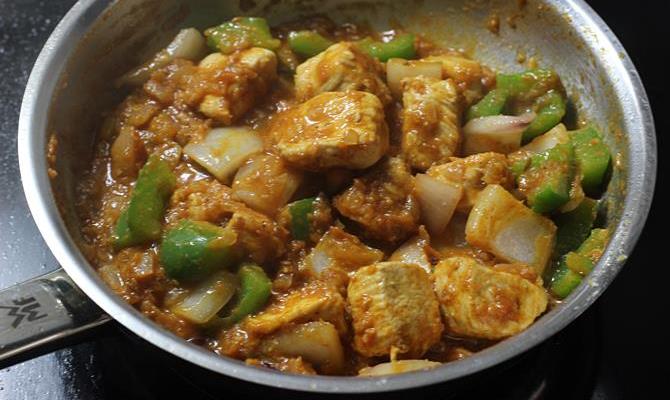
<point x="611" y="352"/>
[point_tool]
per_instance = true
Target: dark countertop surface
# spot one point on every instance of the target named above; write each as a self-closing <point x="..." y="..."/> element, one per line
<point x="24" y="27"/>
<point x="628" y="315"/>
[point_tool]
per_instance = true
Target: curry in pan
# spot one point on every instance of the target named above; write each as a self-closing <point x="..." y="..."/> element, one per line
<point x="316" y="198"/>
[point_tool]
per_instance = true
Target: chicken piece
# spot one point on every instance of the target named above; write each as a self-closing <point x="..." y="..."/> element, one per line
<point x="203" y="200"/>
<point x="470" y="76"/>
<point x="503" y="226"/>
<point x="137" y="110"/>
<point x="316" y="301"/>
<point x="259" y="59"/>
<point x="474" y="173"/>
<point x="341" y="67"/>
<point x="181" y="126"/>
<point x="431" y="127"/>
<point x="255" y="68"/>
<point x="258" y="237"/>
<point x="338" y="249"/>
<point x="335" y="129"/>
<point x="480" y="302"/>
<point x="221" y="87"/>
<point x="382" y="203"/>
<point x="265" y="183"/>
<point x="170" y="85"/>
<point x="393" y="308"/>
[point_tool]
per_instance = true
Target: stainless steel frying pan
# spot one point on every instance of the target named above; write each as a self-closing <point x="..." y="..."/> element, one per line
<point x="71" y="84"/>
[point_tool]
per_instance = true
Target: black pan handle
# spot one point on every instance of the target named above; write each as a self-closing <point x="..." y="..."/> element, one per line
<point x="41" y="312"/>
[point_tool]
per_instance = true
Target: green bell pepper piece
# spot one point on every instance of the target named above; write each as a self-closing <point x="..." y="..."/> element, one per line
<point x="539" y="90"/>
<point x="300" y="211"/>
<point x="194" y="249"/>
<point x="241" y="33"/>
<point x="593" y="158"/>
<point x="308" y="43"/>
<point x="576" y="264"/>
<point x="526" y="87"/>
<point x="515" y="84"/>
<point x="564" y="281"/>
<point x="518" y="163"/>
<point x="574" y="226"/>
<point x="550" y="110"/>
<point x="546" y="182"/>
<point x="255" y="290"/>
<point x="141" y="221"/>
<point x="595" y="244"/>
<point x="122" y="236"/>
<point x="402" y="46"/>
<point x="492" y="104"/>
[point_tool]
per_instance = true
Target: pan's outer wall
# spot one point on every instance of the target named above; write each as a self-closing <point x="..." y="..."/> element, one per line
<point x="95" y="43"/>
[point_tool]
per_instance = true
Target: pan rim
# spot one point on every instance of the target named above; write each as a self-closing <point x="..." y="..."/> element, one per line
<point x="640" y="179"/>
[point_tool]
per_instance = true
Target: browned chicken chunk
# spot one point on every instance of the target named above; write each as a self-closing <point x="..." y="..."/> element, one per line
<point x="221" y="87"/>
<point x="481" y="302"/>
<point x="203" y="200"/>
<point x="342" y="67"/>
<point x="315" y="302"/>
<point x="334" y="129"/>
<point x="258" y="236"/>
<point x="393" y="308"/>
<point x="431" y="128"/>
<point x="382" y="203"/>
<point x="256" y="69"/>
